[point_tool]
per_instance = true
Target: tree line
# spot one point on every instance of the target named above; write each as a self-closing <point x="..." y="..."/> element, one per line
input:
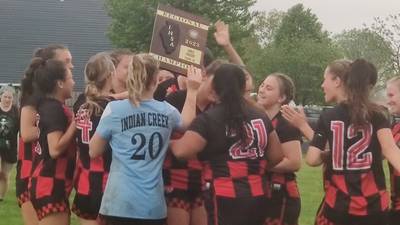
<point x="293" y="42"/>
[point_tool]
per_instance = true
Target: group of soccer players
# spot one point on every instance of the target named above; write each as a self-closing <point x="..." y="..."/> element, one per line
<point x="206" y="154"/>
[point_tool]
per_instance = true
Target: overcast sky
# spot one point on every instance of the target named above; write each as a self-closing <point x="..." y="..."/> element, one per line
<point x="336" y="15"/>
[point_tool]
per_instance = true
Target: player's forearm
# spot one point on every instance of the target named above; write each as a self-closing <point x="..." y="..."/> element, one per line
<point x="189" y="108"/>
<point x="63" y="142"/>
<point x="307" y="131"/>
<point x="96" y="146"/>
<point x="287" y="166"/>
<point x="233" y="56"/>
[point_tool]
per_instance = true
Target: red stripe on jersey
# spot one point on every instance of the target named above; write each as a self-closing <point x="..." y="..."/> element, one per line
<point x="44" y="186"/>
<point x="330" y="196"/>
<point x="168" y="161"/>
<point x="224" y="187"/>
<point x="292" y="189"/>
<point x="194" y="164"/>
<point x="340" y="183"/>
<point x="263" y="166"/>
<point x="83" y="184"/>
<point x="61" y="167"/>
<point x="26" y="166"/>
<point x="207" y="172"/>
<point x="384" y="200"/>
<point x="237" y="169"/>
<point x="368" y="185"/>
<point x="278" y="178"/>
<point x="274" y="122"/>
<point x="68" y="113"/>
<point x="396" y="132"/>
<point x="97" y="164"/>
<point x="256" y="186"/>
<point x="358" y="206"/>
<point x="181" y="181"/>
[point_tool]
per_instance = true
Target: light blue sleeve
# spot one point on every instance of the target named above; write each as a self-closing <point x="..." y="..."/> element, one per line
<point x="105" y="127"/>
<point x="176" y="118"/>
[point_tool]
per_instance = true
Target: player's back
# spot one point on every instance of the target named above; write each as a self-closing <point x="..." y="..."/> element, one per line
<point x="357" y="182"/>
<point x="139" y="140"/>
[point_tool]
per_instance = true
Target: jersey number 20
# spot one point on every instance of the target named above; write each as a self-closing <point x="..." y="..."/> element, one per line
<point x="154" y="145"/>
<point x="355" y="158"/>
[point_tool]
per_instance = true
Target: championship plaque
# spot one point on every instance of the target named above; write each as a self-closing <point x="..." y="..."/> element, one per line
<point x="179" y="39"/>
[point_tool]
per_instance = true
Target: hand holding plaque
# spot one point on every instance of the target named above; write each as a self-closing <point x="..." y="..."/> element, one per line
<point x="194" y="78"/>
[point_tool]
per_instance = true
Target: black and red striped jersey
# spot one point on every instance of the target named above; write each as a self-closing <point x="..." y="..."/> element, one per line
<point x="52" y="177"/>
<point x="286" y="133"/>
<point x="25" y="156"/>
<point x="394" y="174"/>
<point x="355" y="178"/>
<point x="181" y="174"/>
<point x="86" y="126"/>
<point x="97" y="168"/>
<point x="235" y="169"/>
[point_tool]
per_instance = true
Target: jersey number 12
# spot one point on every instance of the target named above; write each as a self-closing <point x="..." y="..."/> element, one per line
<point x="355" y="158"/>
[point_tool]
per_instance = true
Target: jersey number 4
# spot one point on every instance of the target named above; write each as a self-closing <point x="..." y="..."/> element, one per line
<point x="355" y="158"/>
<point x="154" y="145"/>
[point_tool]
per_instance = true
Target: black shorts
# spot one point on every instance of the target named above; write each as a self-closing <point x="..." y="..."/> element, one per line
<point x="183" y="199"/>
<point x="46" y="207"/>
<point x="282" y="210"/>
<point x="235" y="211"/>
<point x="394" y="218"/>
<point x="345" y="219"/>
<point x="48" y="198"/>
<point x="113" y="220"/>
<point x="9" y="155"/>
<point x="86" y="206"/>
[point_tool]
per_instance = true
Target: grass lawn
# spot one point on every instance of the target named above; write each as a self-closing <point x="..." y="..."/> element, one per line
<point x="309" y="180"/>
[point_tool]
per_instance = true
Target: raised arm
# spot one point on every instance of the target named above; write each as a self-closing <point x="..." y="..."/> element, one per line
<point x="189" y="108"/>
<point x="222" y="38"/>
<point x="298" y="119"/>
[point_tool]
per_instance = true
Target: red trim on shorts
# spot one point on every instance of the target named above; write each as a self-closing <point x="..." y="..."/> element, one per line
<point x="51" y="208"/>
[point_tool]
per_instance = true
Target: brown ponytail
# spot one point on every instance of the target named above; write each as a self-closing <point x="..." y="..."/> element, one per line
<point x="359" y="81"/>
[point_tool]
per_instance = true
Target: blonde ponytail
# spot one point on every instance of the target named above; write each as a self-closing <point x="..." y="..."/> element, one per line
<point x="142" y="73"/>
<point x="136" y="81"/>
<point x="97" y="70"/>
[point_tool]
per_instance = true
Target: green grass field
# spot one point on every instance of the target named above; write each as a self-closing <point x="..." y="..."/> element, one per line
<point x="309" y="180"/>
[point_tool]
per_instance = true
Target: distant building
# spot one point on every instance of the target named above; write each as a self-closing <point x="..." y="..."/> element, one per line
<point x="28" y="24"/>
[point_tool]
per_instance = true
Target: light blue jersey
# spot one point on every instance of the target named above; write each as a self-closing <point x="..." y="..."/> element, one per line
<point x="139" y="137"/>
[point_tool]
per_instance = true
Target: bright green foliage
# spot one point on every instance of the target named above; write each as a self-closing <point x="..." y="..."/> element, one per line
<point x="300" y="49"/>
<point x="132" y="20"/>
<point x="367" y="44"/>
